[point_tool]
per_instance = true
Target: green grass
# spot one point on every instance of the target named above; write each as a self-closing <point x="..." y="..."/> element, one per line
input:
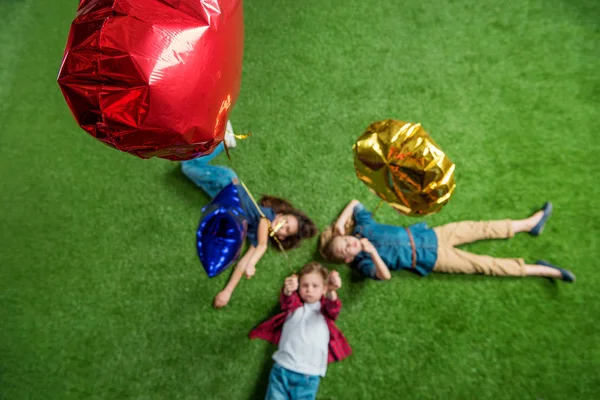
<point x="102" y="293"/>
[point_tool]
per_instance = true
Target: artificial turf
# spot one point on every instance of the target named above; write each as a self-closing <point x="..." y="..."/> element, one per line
<point x="103" y="296"/>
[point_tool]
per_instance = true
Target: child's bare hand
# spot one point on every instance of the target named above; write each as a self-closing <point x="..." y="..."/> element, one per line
<point x="334" y="281"/>
<point x="290" y="285"/>
<point x="250" y="271"/>
<point x="367" y="246"/>
<point x="222" y="298"/>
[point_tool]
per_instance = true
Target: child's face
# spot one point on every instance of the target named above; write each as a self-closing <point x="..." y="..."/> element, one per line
<point x="312" y="287"/>
<point x="289" y="228"/>
<point x="346" y="247"/>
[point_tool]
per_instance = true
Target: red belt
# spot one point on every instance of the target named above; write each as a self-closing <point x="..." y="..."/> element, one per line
<point x="414" y="249"/>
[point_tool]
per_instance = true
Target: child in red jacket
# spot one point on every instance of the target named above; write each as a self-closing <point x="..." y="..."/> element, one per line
<point x="305" y="333"/>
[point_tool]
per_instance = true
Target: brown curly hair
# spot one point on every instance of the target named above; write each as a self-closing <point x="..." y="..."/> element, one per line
<point x="306" y="227"/>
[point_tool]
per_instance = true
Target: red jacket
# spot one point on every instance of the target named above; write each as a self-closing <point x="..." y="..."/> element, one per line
<point x="270" y="330"/>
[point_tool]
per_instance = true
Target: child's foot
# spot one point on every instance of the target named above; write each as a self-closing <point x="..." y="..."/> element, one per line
<point x="566" y="275"/>
<point x="542" y="217"/>
<point x="229" y="137"/>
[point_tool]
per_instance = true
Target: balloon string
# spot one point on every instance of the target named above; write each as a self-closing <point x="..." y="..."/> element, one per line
<point x="272" y="231"/>
<point x="227" y="152"/>
<point x="377" y="208"/>
<point x="242" y="136"/>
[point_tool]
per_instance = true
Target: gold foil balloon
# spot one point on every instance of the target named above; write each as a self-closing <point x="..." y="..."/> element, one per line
<point x="401" y="164"/>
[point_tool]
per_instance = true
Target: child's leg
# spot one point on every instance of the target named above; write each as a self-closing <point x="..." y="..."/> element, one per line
<point x="279" y="385"/>
<point x="458" y="233"/>
<point x="210" y="178"/>
<point x="303" y="387"/>
<point x="209" y="157"/>
<point x="455" y="261"/>
<point x="541" y="270"/>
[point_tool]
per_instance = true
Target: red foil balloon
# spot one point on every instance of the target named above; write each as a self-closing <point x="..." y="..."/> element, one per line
<point x="154" y="78"/>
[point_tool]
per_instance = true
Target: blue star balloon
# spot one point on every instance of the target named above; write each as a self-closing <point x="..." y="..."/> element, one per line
<point x="222" y="231"/>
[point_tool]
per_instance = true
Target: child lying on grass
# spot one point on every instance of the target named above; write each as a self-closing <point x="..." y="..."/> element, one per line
<point x="305" y="333"/>
<point x="375" y="249"/>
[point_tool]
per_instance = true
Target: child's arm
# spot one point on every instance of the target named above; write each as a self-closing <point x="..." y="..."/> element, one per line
<point x="332" y="295"/>
<point x="381" y="270"/>
<point x="263" y="240"/>
<point x="334" y="282"/>
<point x="224" y="295"/>
<point x="332" y="303"/>
<point x="346" y="214"/>
<point x="289" y="298"/>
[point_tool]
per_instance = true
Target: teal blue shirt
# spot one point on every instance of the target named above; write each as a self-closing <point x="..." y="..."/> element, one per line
<point x="393" y="245"/>
<point x="252" y="215"/>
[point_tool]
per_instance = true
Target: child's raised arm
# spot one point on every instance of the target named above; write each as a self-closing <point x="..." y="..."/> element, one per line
<point x="263" y="240"/>
<point x="346" y="214"/>
<point x="334" y="282"/>
<point x="381" y="270"/>
<point x="289" y="298"/>
<point x="290" y="285"/>
<point x="332" y="303"/>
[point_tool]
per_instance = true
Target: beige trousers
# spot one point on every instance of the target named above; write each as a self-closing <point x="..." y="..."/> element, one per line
<point x="454" y="261"/>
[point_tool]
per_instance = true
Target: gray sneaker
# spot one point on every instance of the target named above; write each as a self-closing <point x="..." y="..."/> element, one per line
<point x="229" y="137"/>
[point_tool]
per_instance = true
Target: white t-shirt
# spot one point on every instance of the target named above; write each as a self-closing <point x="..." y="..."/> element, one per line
<point x="304" y="342"/>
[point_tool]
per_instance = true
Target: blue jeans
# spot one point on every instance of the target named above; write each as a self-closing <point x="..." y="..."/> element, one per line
<point x="289" y="385"/>
<point x="210" y="178"/>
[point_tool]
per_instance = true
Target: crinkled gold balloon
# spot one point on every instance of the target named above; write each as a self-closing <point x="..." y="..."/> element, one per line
<point x="401" y="164"/>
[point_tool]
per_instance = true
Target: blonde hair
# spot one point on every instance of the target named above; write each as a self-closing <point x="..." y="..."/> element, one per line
<point x="311" y="267"/>
<point x="326" y="241"/>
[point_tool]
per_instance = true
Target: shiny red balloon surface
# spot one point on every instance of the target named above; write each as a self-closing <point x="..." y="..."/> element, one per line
<point x="154" y="78"/>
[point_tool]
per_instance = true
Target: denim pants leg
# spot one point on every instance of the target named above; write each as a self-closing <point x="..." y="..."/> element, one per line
<point x="210" y="178"/>
<point x="304" y="387"/>
<point x="288" y="385"/>
<point x="278" y="388"/>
